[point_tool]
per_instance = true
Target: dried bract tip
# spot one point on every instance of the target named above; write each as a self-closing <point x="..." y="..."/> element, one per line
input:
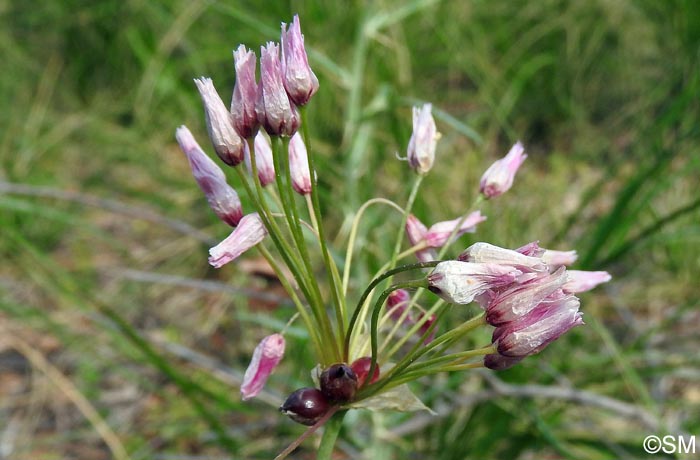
<point x="498" y="179"/>
<point x="266" y="357"/>
<point x="299" y="80"/>
<point x="228" y="144"/>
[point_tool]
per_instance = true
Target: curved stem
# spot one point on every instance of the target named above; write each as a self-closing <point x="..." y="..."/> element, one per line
<point x="330" y="435"/>
<point x="407" y="211"/>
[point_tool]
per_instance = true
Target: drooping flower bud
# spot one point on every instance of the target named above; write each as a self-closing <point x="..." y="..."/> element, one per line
<point x="498" y="179"/>
<point x="459" y="282"/>
<point x="488" y="253"/>
<point x="228" y="145"/>
<point x="266" y="357"/>
<point x="416" y="231"/>
<point x="421" y="146"/>
<point x="263" y="159"/>
<point x="222" y="199"/>
<point x="275" y="111"/>
<point x="299" y="80"/>
<point x="250" y="231"/>
<point x="582" y="281"/>
<point x="245" y="93"/>
<point x="531" y="333"/>
<point x="361" y="368"/>
<point x="437" y="234"/>
<point x="305" y="406"/>
<point x="339" y="383"/>
<point x="299" y="165"/>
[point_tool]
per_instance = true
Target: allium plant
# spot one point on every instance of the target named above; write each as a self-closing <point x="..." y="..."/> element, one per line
<point x="368" y="344"/>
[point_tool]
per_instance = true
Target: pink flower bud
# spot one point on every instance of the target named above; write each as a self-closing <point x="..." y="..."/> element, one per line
<point x="228" y="145"/>
<point x="275" y="111"/>
<point x="416" y="231"/>
<point x="499" y="177"/>
<point x="299" y="165"/>
<point x="250" y="231"/>
<point x="518" y="300"/>
<point x="421" y="146"/>
<point x="396" y="304"/>
<point x="459" y="282"/>
<point x="582" y="281"/>
<point x="437" y="234"/>
<point x="425" y="326"/>
<point x="531" y="333"/>
<point x="245" y="93"/>
<point x="266" y="357"/>
<point x="263" y="159"/>
<point x="488" y="253"/>
<point x="211" y="179"/>
<point x="299" y="80"/>
<point x="558" y="258"/>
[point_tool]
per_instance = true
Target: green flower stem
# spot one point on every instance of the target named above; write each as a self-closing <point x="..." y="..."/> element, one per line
<point x="420" y="283"/>
<point x="413" y="376"/>
<point x="404" y="219"/>
<point x="451" y="359"/>
<point x="353" y="235"/>
<point x="369" y="290"/>
<point x="330" y="435"/>
<point x="334" y="279"/>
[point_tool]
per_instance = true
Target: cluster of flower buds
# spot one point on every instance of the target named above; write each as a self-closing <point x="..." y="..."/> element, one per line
<point x="528" y="295"/>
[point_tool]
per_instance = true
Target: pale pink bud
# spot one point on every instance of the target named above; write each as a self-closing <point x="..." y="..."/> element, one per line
<point x="222" y="199"/>
<point x="488" y="253"/>
<point x="266" y="357"/>
<point x="263" y="159"/>
<point x="396" y="304"/>
<point x="250" y="231"/>
<point x="499" y="177"/>
<point x="582" y="281"/>
<point x="558" y="258"/>
<point x="299" y="80"/>
<point x="245" y="93"/>
<point x="437" y="234"/>
<point x="541" y="326"/>
<point x="459" y="282"/>
<point x="275" y="111"/>
<point x="517" y="300"/>
<point x="299" y="165"/>
<point x="416" y="231"/>
<point x="228" y="145"/>
<point x="421" y="146"/>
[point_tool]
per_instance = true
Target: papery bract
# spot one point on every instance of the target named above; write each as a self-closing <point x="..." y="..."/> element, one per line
<point x="222" y="199"/>
<point x="459" y="282"/>
<point x="299" y="80"/>
<point x="498" y="178"/>
<point x="421" y="146"/>
<point x="266" y="357"/>
<point x="250" y="231"/>
<point x="275" y="111"/>
<point x="582" y="281"/>
<point x="263" y="159"/>
<point x="245" y="93"/>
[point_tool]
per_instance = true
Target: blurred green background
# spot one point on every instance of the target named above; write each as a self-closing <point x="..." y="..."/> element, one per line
<point x="117" y="340"/>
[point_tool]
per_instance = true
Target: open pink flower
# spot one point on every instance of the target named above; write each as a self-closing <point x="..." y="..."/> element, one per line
<point x="266" y="357"/>
<point x="250" y="231"/>
<point x="498" y="179"/>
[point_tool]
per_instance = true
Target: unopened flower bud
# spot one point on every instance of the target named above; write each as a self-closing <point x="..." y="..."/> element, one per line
<point x="438" y="234"/>
<point x="305" y="406"/>
<point x="299" y="80"/>
<point x="416" y="231"/>
<point x="488" y="253"/>
<point x="250" y="231"/>
<point x="263" y="159"/>
<point x="275" y="111"/>
<point x="459" y="282"/>
<point x="266" y="357"/>
<point x="245" y="93"/>
<point x="211" y="179"/>
<point x="582" y="281"/>
<point x="228" y="144"/>
<point x="421" y="146"/>
<point x="498" y="179"/>
<point x="361" y="368"/>
<point x="396" y="304"/>
<point x="339" y="383"/>
<point x="299" y="165"/>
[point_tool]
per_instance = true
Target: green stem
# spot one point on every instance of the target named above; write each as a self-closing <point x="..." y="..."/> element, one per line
<point x="330" y="435"/>
<point x="404" y="219"/>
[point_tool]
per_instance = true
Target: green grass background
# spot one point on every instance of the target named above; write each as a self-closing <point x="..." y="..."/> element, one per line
<point x="103" y="233"/>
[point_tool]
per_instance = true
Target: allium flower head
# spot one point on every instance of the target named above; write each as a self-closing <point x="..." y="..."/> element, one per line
<point x="582" y="281"/>
<point x="498" y="179"/>
<point x="299" y="165"/>
<point x="250" y="231"/>
<point x="421" y="146"/>
<point x="275" y="111"/>
<point x="228" y="145"/>
<point x="245" y="93"/>
<point x="222" y="199"/>
<point x="459" y="282"/>
<point x="263" y="159"/>
<point x="299" y="80"/>
<point x="266" y="357"/>
<point x="437" y="234"/>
